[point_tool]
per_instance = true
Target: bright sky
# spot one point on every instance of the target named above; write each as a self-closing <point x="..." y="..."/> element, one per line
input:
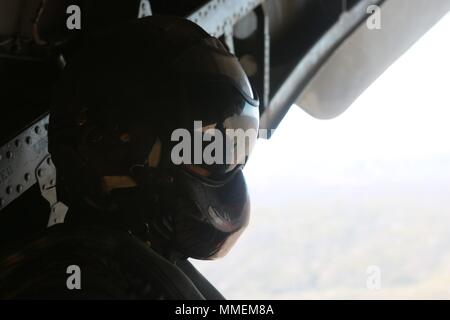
<point x="331" y="198"/>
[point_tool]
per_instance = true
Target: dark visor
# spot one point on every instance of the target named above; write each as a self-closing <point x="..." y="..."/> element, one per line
<point x="217" y="93"/>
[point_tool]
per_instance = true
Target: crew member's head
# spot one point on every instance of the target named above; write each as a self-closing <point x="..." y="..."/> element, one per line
<point x="156" y="118"/>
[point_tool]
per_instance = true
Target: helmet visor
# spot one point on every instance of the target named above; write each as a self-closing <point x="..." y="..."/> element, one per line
<point x="223" y="129"/>
<point x="221" y="110"/>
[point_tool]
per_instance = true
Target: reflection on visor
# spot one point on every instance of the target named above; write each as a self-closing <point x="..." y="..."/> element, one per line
<point x="217" y="94"/>
<point x="224" y="131"/>
<point x="225" y="206"/>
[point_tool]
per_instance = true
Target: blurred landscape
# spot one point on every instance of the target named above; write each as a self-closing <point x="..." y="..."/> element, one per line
<point x="369" y="188"/>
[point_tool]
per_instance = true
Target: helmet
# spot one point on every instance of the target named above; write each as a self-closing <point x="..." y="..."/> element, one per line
<point x="138" y="124"/>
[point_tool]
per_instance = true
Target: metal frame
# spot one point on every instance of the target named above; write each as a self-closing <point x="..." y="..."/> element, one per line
<point x="297" y="80"/>
<point x="19" y="159"/>
<point x="217" y="15"/>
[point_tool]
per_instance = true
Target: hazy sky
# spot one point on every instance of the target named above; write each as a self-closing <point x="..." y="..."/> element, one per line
<point x="369" y="188"/>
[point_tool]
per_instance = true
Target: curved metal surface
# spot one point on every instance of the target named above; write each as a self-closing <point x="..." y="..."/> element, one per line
<point x="306" y="68"/>
<point x="367" y="53"/>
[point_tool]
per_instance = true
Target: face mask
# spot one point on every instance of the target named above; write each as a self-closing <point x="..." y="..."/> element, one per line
<point x="198" y="218"/>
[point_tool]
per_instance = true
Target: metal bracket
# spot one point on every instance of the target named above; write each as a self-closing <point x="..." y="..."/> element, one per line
<point x="217" y="14"/>
<point x="18" y="160"/>
<point x="229" y="40"/>
<point x="46" y="178"/>
<point x="25" y="161"/>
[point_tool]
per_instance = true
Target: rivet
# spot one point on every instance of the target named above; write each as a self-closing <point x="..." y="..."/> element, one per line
<point x="2" y="202"/>
<point x="27" y="177"/>
<point x="19" y="188"/>
<point x="28" y="140"/>
<point x="37" y="129"/>
<point x="46" y="127"/>
<point x="17" y="143"/>
<point x="9" y="155"/>
<point x="49" y="160"/>
<point x="39" y="172"/>
<point x="9" y="190"/>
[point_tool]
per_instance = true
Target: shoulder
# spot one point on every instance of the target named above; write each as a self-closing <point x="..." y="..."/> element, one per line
<point x="90" y="263"/>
